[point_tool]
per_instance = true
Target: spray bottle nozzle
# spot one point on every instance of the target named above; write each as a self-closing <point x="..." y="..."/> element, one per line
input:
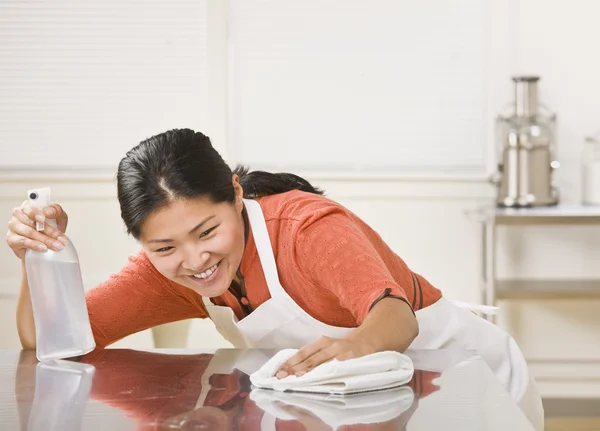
<point x="39" y="198"/>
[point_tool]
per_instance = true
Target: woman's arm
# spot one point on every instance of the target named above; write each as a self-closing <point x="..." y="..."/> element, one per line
<point x="340" y="254"/>
<point x="138" y="298"/>
<point x="25" y="322"/>
<point x="390" y="325"/>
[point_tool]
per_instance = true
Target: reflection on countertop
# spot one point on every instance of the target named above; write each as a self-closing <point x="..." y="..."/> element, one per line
<point x="120" y="389"/>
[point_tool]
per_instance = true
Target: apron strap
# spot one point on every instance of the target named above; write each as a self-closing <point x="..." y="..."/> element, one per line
<point x="263" y="246"/>
<point x="268" y="422"/>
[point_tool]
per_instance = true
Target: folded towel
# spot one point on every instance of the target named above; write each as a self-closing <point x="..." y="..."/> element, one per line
<point x="378" y="371"/>
<point x="335" y="411"/>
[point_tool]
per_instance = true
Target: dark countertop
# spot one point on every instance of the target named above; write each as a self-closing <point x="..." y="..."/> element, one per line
<point x="119" y="390"/>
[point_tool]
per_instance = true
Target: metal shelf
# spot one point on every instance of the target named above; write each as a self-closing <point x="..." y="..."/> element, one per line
<point x="547" y="288"/>
<point x="494" y="289"/>
<point x="562" y="210"/>
<point x="563" y="213"/>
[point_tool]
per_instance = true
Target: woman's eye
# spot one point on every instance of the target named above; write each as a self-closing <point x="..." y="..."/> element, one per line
<point x="164" y="249"/>
<point x="207" y="232"/>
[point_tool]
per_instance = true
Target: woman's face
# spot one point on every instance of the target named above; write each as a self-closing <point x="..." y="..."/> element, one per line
<point x="197" y="243"/>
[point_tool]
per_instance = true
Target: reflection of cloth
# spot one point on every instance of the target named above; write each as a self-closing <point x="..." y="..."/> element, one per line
<point x="381" y="370"/>
<point x="375" y="407"/>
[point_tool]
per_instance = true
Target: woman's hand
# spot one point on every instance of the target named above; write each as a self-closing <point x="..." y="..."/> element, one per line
<point x="324" y="350"/>
<point x="390" y="325"/>
<point x="22" y="234"/>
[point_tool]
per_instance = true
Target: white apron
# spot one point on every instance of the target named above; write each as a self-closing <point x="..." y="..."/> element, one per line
<point x="280" y="323"/>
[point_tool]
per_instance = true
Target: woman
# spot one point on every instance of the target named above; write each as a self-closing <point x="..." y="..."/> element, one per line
<point x="269" y="259"/>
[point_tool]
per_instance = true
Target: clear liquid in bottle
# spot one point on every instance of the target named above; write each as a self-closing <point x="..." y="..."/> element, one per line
<point x="60" y="312"/>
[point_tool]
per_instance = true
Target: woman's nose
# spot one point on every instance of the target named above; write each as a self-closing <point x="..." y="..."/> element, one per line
<point x="196" y="260"/>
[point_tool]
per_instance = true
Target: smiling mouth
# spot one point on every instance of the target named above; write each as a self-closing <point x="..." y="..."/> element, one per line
<point x="206" y="276"/>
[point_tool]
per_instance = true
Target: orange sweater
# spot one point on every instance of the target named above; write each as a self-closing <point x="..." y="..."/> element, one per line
<point x="330" y="262"/>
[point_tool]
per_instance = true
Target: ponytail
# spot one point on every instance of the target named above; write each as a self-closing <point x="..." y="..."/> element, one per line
<point x="260" y="183"/>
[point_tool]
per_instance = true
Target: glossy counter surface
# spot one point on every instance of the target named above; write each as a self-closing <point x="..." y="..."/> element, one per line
<point x="120" y="390"/>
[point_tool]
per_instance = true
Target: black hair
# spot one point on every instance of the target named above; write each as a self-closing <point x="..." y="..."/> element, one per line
<point x="182" y="164"/>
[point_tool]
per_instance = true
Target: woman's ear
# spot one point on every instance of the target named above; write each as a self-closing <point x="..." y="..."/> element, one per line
<point x="239" y="193"/>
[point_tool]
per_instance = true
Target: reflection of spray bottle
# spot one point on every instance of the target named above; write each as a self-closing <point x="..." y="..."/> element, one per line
<point x="62" y="324"/>
<point x="62" y="389"/>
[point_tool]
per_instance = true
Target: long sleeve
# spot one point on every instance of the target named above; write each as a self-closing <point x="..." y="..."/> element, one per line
<point x="138" y="298"/>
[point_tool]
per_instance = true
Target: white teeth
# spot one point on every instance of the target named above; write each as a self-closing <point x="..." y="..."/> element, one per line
<point x="207" y="273"/>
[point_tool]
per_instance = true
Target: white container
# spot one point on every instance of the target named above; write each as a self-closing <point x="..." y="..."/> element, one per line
<point x="62" y="324"/>
<point x="590" y="171"/>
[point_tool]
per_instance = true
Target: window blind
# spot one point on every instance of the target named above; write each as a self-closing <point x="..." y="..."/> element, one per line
<point x="82" y="82"/>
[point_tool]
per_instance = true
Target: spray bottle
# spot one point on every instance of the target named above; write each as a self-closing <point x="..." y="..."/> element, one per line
<point x="62" y="324"/>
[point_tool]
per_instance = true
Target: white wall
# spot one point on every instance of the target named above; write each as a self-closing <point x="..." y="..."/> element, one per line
<point x="363" y="78"/>
<point x="553" y="40"/>
<point x="560" y="337"/>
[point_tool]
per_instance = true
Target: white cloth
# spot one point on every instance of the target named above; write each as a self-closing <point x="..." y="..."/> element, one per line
<point x="378" y="371"/>
<point x="376" y="407"/>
